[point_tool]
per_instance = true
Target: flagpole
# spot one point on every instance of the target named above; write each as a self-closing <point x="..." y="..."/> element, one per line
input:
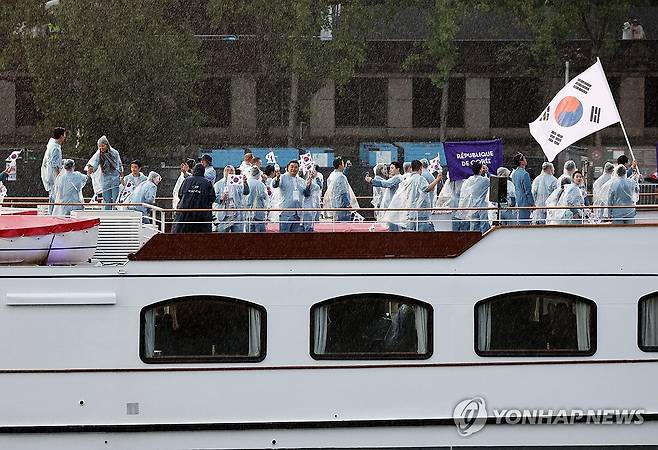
<point x="627" y="141"/>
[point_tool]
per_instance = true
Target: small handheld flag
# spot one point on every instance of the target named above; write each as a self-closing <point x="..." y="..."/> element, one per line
<point x="582" y="107"/>
<point x="306" y="161"/>
<point x="234" y="180"/>
<point x="435" y="165"/>
<point x="270" y="158"/>
<point x="13" y="156"/>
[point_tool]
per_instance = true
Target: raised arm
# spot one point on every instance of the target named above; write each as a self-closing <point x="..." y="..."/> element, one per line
<point x="433" y="184"/>
<point x="390" y="183"/>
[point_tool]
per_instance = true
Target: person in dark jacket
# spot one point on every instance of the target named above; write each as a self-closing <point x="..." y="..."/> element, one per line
<point x="196" y="192"/>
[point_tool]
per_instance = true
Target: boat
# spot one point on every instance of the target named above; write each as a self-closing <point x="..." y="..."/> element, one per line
<point x="26" y="238"/>
<point x="348" y="340"/>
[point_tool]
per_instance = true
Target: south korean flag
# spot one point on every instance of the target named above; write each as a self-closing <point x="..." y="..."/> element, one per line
<point x="306" y="162"/>
<point x="582" y="107"/>
<point x="233" y="180"/>
<point x="270" y="158"/>
<point x="11" y="159"/>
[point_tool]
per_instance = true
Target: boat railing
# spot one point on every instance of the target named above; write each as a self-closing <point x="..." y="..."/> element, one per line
<point x="160" y="219"/>
<point x="124" y="228"/>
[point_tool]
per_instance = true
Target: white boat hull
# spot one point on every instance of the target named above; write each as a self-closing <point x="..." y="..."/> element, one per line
<point x="72" y="247"/>
<point x="72" y="376"/>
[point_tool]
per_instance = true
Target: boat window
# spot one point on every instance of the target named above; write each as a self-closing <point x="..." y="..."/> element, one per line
<point x="535" y="323"/>
<point x="202" y="329"/>
<point x="371" y="326"/>
<point x="648" y="326"/>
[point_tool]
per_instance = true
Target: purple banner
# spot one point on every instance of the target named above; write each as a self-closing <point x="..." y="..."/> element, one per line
<point x="459" y="156"/>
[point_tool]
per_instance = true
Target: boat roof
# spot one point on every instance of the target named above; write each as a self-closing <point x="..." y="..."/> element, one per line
<point x="19" y="225"/>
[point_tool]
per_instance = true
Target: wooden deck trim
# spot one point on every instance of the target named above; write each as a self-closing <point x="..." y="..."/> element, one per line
<point x="274" y="246"/>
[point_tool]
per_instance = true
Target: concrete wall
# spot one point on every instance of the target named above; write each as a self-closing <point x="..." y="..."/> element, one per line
<point x="631" y="105"/>
<point x="243" y="105"/>
<point x="323" y="111"/>
<point x="477" y="107"/>
<point x="400" y="105"/>
<point x="243" y="129"/>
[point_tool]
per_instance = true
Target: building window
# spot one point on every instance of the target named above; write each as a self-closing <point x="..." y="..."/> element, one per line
<point x="27" y="114"/>
<point x="519" y="109"/>
<point x="648" y="326"/>
<point x="651" y="102"/>
<point x="427" y="103"/>
<point x="201" y="329"/>
<point x="371" y="326"/>
<point x="272" y="100"/>
<point x="215" y="102"/>
<point x="535" y="323"/>
<point x="362" y="103"/>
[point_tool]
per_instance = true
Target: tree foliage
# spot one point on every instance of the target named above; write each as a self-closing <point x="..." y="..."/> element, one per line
<point x="290" y="50"/>
<point x="553" y="24"/>
<point x="444" y="19"/>
<point x="127" y="69"/>
<point x="19" y="18"/>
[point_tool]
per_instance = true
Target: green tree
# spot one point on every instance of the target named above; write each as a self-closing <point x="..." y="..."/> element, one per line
<point x="553" y="25"/>
<point x="289" y="48"/>
<point x="444" y="20"/>
<point x="123" y="68"/>
<point x="19" y="18"/>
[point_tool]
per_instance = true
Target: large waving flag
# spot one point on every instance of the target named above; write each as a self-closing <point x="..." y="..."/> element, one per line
<point x="582" y="107"/>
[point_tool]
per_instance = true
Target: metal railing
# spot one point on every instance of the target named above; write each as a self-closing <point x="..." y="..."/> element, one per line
<point x="368" y="219"/>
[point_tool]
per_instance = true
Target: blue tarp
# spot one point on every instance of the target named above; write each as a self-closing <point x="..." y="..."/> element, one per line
<point x="370" y="153"/>
<point x="420" y="150"/>
<point x="323" y="156"/>
<point x="283" y="154"/>
<point x="221" y="157"/>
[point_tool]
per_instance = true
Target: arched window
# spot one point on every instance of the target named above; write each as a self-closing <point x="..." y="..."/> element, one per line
<point x="535" y="323"/>
<point x="202" y="328"/>
<point x="648" y="323"/>
<point x="371" y="326"/>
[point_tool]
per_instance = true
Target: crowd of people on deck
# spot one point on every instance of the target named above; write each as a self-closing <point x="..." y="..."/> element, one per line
<point x="406" y="196"/>
<point x="64" y="184"/>
<point x="546" y="199"/>
<point x="241" y="198"/>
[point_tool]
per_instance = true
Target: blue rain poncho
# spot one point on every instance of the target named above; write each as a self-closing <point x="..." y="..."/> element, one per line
<point x="339" y="193"/>
<point x="542" y="187"/>
<point x="389" y="187"/>
<point x="410" y="194"/>
<point x="622" y="191"/>
<point x="210" y="174"/>
<point x="145" y="193"/>
<point x="227" y="216"/>
<point x="107" y="168"/>
<point x="257" y="198"/>
<point x="474" y="194"/>
<point x="310" y="218"/>
<point x="600" y="192"/>
<point x="567" y="172"/>
<point x="569" y="195"/>
<point x="51" y="164"/>
<point x="128" y="185"/>
<point x="179" y="182"/>
<point x="68" y="189"/>
<point x="378" y="191"/>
